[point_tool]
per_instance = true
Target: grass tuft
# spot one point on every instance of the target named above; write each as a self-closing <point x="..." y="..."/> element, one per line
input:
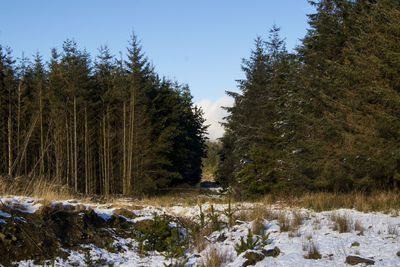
<point x="341" y="222"/>
<point x="215" y="257"/>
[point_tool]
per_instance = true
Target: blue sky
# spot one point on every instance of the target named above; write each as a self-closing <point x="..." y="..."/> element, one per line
<point x="200" y="43"/>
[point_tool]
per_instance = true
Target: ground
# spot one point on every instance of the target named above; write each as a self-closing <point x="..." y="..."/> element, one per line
<point x="211" y="232"/>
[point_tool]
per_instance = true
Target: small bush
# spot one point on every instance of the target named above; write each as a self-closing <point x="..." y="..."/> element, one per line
<point x="214" y="219"/>
<point x="312" y="250"/>
<point x="342" y="223"/>
<point x="257" y="227"/>
<point x="161" y="237"/>
<point x="250" y="243"/>
<point x="215" y="257"/>
<point x="197" y="236"/>
<point x="358" y="227"/>
<point x="392" y="230"/>
<point x="229" y="213"/>
<point x="283" y="222"/>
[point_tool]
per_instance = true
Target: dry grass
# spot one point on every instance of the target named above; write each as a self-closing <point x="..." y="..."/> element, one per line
<point x="34" y="187"/>
<point x="257" y="211"/>
<point x="392" y="230"/>
<point x="312" y="250"/>
<point x="284" y="222"/>
<point x="215" y="257"/>
<point x="290" y="222"/>
<point x="341" y="222"/>
<point x="358" y="227"/>
<point x="378" y="201"/>
<point x="257" y="227"/>
<point x="199" y="240"/>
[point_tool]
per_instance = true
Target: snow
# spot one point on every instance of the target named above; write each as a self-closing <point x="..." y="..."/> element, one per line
<point x="22" y="204"/>
<point x="379" y="241"/>
<point x="4" y="214"/>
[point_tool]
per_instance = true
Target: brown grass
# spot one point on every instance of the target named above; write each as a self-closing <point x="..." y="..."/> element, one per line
<point x="378" y="201"/>
<point x="341" y="222"/>
<point x="392" y="230"/>
<point x="284" y="222"/>
<point x="358" y="227"/>
<point x="34" y="187"/>
<point x="312" y="250"/>
<point x="215" y="257"/>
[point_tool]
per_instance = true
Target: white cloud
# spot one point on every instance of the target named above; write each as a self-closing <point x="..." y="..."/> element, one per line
<point x="214" y="114"/>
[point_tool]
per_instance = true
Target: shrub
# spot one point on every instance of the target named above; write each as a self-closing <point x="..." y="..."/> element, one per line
<point x="342" y="223"/>
<point x="160" y="236"/>
<point x="250" y="243"/>
<point x="215" y="257"/>
<point x="312" y="250"/>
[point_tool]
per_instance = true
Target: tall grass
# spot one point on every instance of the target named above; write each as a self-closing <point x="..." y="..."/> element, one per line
<point x="378" y="201"/>
<point x="34" y="187"/>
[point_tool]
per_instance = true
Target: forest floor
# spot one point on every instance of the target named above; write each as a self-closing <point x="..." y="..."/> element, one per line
<point x="192" y="231"/>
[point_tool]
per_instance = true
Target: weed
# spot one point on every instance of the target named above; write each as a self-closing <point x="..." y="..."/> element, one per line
<point x="214" y="219"/>
<point x="250" y="243"/>
<point x="312" y="250"/>
<point x="358" y="227"/>
<point x="342" y="223"/>
<point x="257" y="227"/>
<point x="284" y="222"/>
<point x="161" y="237"/>
<point x="392" y="230"/>
<point x="215" y="257"/>
<point x="201" y="216"/>
<point x="316" y="224"/>
<point x="229" y="213"/>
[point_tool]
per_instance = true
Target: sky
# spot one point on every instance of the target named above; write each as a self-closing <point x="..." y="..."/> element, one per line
<point x="200" y="43"/>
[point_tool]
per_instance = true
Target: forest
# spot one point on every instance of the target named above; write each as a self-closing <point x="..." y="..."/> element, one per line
<point x="108" y="126"/>
<point x="322" y="118"/>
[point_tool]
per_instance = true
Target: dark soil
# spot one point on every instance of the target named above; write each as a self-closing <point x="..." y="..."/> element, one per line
<point x="41" y="235"/>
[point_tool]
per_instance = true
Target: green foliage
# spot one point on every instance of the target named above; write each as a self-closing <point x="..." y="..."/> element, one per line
<point x="113" y="122"/>
<point x="252" y="244"/>
<point x="214" y="219"/>
<point x="202" y="217"/>
<point x="161" y="236"/>
<point x="325" y="118"/>
<point x="229" y="213"/>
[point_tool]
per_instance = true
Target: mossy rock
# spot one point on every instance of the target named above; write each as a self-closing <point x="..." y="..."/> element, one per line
<point x="126" y="213"/>
<point x="252" y="258"/>
<point x="354" y="260"/>
<point x="272" y="252"/>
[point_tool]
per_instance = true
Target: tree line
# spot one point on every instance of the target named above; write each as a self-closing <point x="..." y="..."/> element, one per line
<point x="108" y="126"/>
<point x="324" y="117"/>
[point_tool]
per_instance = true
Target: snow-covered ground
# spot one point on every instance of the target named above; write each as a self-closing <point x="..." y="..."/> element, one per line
<point x="374" y="236"/>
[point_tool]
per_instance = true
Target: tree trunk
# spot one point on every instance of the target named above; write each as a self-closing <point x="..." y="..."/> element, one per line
<point x="124" y="178"/>
<point x="86" y="155"/>
<point x="9" y="137"/>
<point x="75" y="150"/>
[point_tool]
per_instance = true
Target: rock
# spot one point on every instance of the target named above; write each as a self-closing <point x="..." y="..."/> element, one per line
<point x="221" y="238"/>
<point x="271" y="252"/>
<point x="355" y="244"/>
<point x="252" y="258"/>
<point x="354" y="260"/>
